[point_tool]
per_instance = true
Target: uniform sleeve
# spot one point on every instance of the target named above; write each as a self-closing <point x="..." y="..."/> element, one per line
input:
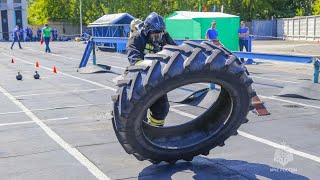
<point x="135" y="48"/>
<point x="207" y="33"/>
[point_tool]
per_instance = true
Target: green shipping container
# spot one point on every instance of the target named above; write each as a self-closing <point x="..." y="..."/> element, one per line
<point x="194" y="25"/>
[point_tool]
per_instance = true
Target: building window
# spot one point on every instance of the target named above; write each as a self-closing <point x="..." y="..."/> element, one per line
<point x="16" y="1"/>
<point x="3" y="1"/>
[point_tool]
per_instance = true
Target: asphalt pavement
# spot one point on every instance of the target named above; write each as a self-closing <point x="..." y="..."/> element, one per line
<point x="59" y="127"/>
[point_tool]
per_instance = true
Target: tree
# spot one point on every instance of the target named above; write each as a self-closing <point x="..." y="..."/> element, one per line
<point x="40" y="11"/>
<point x="316" y="7"/>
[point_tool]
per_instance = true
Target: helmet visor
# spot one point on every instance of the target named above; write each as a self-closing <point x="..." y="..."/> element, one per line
<point x="156" y="36"/>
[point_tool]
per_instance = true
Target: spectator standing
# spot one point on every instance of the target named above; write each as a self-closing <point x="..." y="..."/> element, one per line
<point x="47" y="36"/>
<point x="39" y="34"/>
<point x="88" y="31"/>
<point x="31" y="34"/>
<point x="55" y="32"/>
<point x="82" y="34"/>
<point x="16" y="36"/>
<point x="52" y="34"/>
<point x="243" y="34"/>
<point x="27" y="34"/>
<point x="21" y="34"/>
<point x="212" y="33"/>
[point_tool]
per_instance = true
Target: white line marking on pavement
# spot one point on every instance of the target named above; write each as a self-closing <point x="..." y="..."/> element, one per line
<point x="287" y="101"/>
<point x="117" y="67"/>
<point x="278" y="146"/>
<point x="53" y="108"/>
<point x="274" y="79"/>
<point x="75" y="77"/>
<point x="261" y="140"/>
<point x="66" y="92"/>
<point x="71" y="150"/>
<point x="184" y="113"/>
<point x="52" y="54"/>
<point x="29" y="122"/>
<point x="117" y="57"/>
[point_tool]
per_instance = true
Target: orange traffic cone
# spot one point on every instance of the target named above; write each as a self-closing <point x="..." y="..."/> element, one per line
<point x="37" y="64"/>
<point x="12" y="61"/>
<point x="54" y="69"/>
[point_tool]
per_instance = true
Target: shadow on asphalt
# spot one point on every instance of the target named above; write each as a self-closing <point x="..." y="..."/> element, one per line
<point x="205" y="168"/>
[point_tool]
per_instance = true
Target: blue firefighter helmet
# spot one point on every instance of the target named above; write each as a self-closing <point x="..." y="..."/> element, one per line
<point x="154" y="24"/>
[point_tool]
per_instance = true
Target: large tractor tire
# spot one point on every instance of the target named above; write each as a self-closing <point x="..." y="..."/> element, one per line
<point x="160" y="73"/>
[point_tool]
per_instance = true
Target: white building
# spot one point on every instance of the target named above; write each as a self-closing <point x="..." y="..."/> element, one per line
<point x="13" y="12"/>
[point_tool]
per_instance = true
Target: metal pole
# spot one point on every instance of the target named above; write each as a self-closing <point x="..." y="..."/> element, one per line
<point x="249" y="60"/>
<point x="316" y="71"/>
<point x="80" y="18"/>
<point x="314" y="27"/>
<point x="94" y="58"/>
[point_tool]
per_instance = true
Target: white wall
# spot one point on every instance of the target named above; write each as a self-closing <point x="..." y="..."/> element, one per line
<point x="10" y="7"/>
<point x="300" y="28"/>
<point x="72" y="30"/>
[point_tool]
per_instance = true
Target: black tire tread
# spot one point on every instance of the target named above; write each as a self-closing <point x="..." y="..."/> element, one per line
<point x="132" y="91"/>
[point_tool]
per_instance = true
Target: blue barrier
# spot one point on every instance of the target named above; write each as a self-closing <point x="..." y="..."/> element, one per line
<point x="278" y="57"/>
<point x="118" y="40"/>
<point x="250" y="60"/>
<point x="91" y="48"/>
<point x="212" y="86"/>
<point x="109" y="40"/>
<point x="316" y="71"/>
<point x="86" y="55"/>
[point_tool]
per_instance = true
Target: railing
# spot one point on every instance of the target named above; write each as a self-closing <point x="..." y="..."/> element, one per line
<point x="274" y="57"/>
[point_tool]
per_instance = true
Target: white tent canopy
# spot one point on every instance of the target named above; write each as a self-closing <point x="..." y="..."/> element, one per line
<point x="191" y="15"/>
<point x="112" y="20"/>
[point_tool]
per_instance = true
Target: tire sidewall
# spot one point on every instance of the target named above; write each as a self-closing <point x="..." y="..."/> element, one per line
<point x="230" y="82"/>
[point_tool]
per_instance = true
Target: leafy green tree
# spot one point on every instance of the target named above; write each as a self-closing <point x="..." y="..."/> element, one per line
<point x="316" y="7"/>
<point x="40" y="11"/>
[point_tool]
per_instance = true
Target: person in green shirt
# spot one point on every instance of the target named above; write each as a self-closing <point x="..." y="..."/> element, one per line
<point x="46" y="36"/>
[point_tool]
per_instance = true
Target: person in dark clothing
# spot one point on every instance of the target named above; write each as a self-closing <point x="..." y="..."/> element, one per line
<point x="21" y="34"/>
<point x="56" y="34"/>
<point x="27" y="34"/>
<point x="52" y="34"/>
<point x="150" y="37"/>
<point x="16" y="36"/>
<point x="39" y="34"/>
<point x="243" y="34"/>
<point x="31" y="34"/>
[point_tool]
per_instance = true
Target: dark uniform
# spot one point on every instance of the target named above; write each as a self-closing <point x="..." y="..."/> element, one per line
<point x="138" y="45"/>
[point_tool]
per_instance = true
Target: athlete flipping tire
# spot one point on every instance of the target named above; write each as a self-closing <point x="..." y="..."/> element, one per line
<point x="160" y="73"/>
